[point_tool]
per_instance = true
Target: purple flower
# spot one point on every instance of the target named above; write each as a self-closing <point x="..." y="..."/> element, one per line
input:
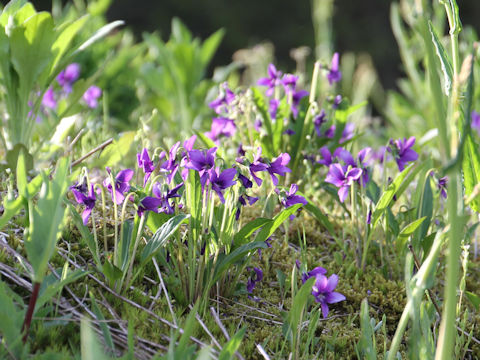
<point x="334" y="74"/>
<point x="225" y="98"/>
<point x="292" y="199"/>
<point x="313" y="273"/>
<point x="475" y="124"/>
<point x="221" y="126"/>
<point x="85" y="199"/>
<point x="336" y="101"/>
<point x="144" y="162"/>
<point x="91" y="96"/>
<point x="247" y="184"/>
<point x="442" y="186"/>
<point x="257" y="125"/>
<point x="296" y="98"/>
<point x="278" y="166"/>
<point x="121" y="185"/>
<point x="326" y="155"/>
<point x="257" y="165"/>
<point x="330" y="132"/>
<point x="244" y="199"/>
<point x="48" y="100"/>
<point x="201" y="161"/>
<point x="323" y="292"/>
<point x="273" y="107"/>
<point x="273" y="80"/>
<point x="222" y="181"/>
<point x="343" y="178"/>
<point x="289" y="83"/>
<point x="252" y="281"/>
<point x="149" y="203"/>
<point x="67" y="77"/>
<point x="347" y="132"/>
<point x="402" y="151"/>
<point x="165" y="205"/>
<point x="318" y="121"/>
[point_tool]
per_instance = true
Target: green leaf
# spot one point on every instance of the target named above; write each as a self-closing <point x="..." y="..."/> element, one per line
<point x="22" y="175"/>
<point x="11" y="324"/>
<point x="50" y="289"/>
<point x="12" y="157"/>
<point x="474" y="299"/>
<point x="366" y="344"/>
<point x="117" y="151"/>
<point x="444" y="59"/>
<point x="155" y="220"/>
<point x="397" y="187"/>
<point x="42" y="237"/>
<point x="210" y="46"/>
<point x="406" y="232"/>
<point x="208" y="142"/>
<point x="228" y="351"/>
<point x="242" y="236"/>
<point x="111" y="272"/>
<point x="161" y="236"/>
<point x="90" y="347"/>
<point x="103" y="326"/>
<point x="320" y="216"/>
<point x="278" y="220"/>
<point x="237" y="254"/>
<point x="10" y="9"/>
<point x="424" y="209"/>
<point x="194" y="203"/>
<point x="100" y="33"/>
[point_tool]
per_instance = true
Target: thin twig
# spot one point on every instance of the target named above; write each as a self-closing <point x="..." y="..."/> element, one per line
<point x="262" y="352"/>
<point x="91" y="152"/>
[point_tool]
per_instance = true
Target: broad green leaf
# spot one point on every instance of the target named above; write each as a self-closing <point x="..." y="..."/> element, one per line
<point x="12" y="157"/>
<point x="42" y="237"/>
<point x="31" y="49"/>
<point x="210" y="46"/>
<point x="160" y="238"/>
<point x="111" y="272"/>
<point x="155" y="220"/>
<point x="278" y="220"/>
<point x="242" y="236"/>
<point x="406" y="232"/>
<point x="367" y="337"/>
<point x="228" y="351"/>
<point x="241" y="252"/>
<point x="10" y="9"/>
<point x="424" y="209"/>
<point x="64" y="40"/>
<point x="126" y="241"/>
<point x="10" y="209"/>
<point x="117" y="151"/>
<point x="444" y="59"/>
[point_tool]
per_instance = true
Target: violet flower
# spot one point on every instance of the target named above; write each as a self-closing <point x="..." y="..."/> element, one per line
<point x="343" y="178"/>
<point x="278" y="166"/>
<point x="318" y="121"/>
<point x="292" y="199"/>
<point x="48" y="100"/>
<point x="273" y="80"/>
<point x="224" y="99"/>
<point x="67" y="77"/>
<point x="170" y="166"/>
<point x="442" y="186"/>
<point x="91" y="96"/>
<point x="121" y="185"/>
<point x="247" y="184"/>
<point x="323" y="292"/>
<point x="312" y="273"/>
<point x="221" y="126"/>
<point x="402" y="151"/>
<point x="289" y="82"/>
<point x="296" y="98"/>
<point x="144" y="162"/>
<point x="336" y="102"/>
<point x="334" y="74"/>
<point x="252" y="281"/>
<point x="347" y="132"/>
<point x="257" y="165"/>
<point x="475" y="124"/>
<point x="165" y="206"/>
<point x="201" y="161"/>
<point x="273" y="107"/>
<point x="222" y="181"/>
<point x="326" y="155"/>
<point x="257" y="125"/>
<point x="85" y="199"/>
<point x="149" y="203"/>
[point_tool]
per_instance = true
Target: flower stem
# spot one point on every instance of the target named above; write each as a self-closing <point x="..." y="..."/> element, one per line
<point x="29" y="314"/>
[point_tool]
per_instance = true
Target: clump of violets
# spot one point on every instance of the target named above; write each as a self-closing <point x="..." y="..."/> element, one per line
<point x="402" y="151"/>
<point x="323" y="288"/>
